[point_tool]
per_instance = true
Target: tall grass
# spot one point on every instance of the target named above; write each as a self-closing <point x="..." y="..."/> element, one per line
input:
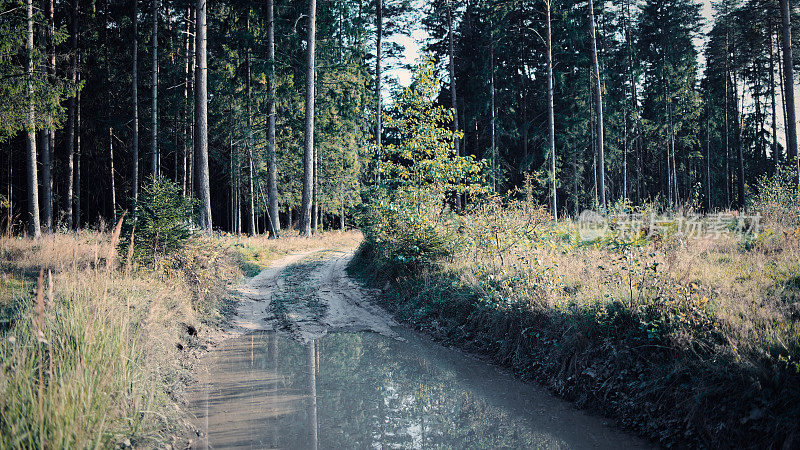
<point x="105" y="343"/>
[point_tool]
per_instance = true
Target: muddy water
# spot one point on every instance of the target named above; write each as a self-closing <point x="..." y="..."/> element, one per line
<point x="364" y="390"/>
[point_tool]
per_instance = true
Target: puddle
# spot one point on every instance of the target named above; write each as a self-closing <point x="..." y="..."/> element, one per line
<point x="364" y="390"/>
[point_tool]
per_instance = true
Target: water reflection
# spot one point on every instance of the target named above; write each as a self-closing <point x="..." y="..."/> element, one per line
<point x="361" y="390"/>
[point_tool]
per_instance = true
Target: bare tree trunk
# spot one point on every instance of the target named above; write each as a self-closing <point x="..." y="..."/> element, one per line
<point x="251" y="163"/>
<point x="190" y="168"/>
<point x="708" y="161"/>
<point x="788" y="86"/>
<point x="775" y="155"/>
<point x="272" y="164"/>
<point x="48" y="135"/>
<point x="71" y="112"/>
<point x="551" y="130"/>
<point x="308" y="154"/>
<point x="201" y="118"/>
<point x="154" y="121"/>
<point x="727" y="124"/>
<point x="494" y="143"/>
<point x="78" y="153"/>
<point x="185" y="108"/>
<point x="453" y="95"/>
<point x="378" y="107"/>
<point x="739" y="126"/>
<point x="111" y="173"/>
<point x="599" y="108"/>
<point x="34" y="228"/>
<point x="135" y="97"/>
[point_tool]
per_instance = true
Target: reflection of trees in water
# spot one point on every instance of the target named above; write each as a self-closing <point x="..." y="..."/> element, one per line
<point x="311" y="370"/>
<point x="367" y="391"/>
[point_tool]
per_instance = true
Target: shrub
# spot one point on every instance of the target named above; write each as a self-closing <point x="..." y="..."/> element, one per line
<point x="777" y="198"/>
<point x="161" y="222"/>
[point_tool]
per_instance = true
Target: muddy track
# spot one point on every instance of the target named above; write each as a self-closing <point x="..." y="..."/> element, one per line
<point x="307" y="295"/>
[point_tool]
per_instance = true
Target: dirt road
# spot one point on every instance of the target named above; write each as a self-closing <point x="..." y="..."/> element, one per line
<point x="306" y="295"/>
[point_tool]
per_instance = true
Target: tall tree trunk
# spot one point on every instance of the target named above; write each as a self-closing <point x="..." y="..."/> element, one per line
<point x="78" y="154"/>
<point x="48" y="135"/>
<point x="378" y="102"/>
<point x="599" y="108"/>
<point x="775" y="154"/>
<point x="453" y="95"/>
<point x="788" y="86"/>
<point x="135" y="98"/>
<point x="272" y="163"/>
<point x="185" y="110"/>
<point x="190" y="169"/>
<point x="71" y="113"/>
<point x="154" y="114"/>
<point x="739" y="126"/>
<point x="308" y="153"/>
<point x="111" y="173"/>
<point x="551" y="127"/>
<point x="727" y="123"/>
<point x="201" y="118"/>
<point x="708" y="159"/>
<point x="494" y="143"/>
<point x="251" y="163"/>
<point x="34" y="228"/>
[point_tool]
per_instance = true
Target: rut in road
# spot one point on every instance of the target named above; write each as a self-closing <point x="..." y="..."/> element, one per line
<point x="307" y="295"/>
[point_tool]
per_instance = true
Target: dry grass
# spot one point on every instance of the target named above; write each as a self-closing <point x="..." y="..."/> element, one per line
<point x="689" y="341"/>
<point x="110" y="359"/>
<point x="111" y="340"/>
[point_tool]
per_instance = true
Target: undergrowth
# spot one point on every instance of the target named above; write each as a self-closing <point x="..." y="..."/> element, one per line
<point x="689" y="341"/>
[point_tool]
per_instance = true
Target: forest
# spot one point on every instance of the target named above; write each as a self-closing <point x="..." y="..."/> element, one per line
<point x="602" y="197"/>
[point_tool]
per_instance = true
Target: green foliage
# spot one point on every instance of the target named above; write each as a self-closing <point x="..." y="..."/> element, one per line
<point x="161" y="222"/>
<point x="423" y="167"/>
<point x="48" y="93"/>
<point x="777" y="198"/>
<point x="406" y="221"/>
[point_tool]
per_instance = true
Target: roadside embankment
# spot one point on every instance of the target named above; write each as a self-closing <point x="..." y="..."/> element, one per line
<point x="689" y="342"/>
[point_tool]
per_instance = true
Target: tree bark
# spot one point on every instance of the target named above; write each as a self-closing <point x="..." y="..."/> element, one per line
<point x="308" y="153"/>
<point x="272" y="164"/>
<point x="111" y="173"/>
<point x="48" y="135"/>
<point x="599" y="109"/>
<point x="788" y="86"/>
<point x="494" y="143"/>
<point x="34" y="228"/>
<point x="378" y="107"/>
<point x="775" y="155"/>
<point x="185" y="111"/>
<point x="251" y="163"/>
<point x="78" y="153"/>
<point x="71" y="112"/>
<point x="154" y="114"/>
<point x="550" y="114"/>
<point x="453" y="94"/>
<point x="201" y="118"/>
<point x="135" y="98"/>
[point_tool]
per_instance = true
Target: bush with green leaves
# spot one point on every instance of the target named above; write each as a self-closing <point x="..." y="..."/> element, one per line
<point x="777" y="198"/>
<point x="406" y="218"/>
<point x="161" y="222"/>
